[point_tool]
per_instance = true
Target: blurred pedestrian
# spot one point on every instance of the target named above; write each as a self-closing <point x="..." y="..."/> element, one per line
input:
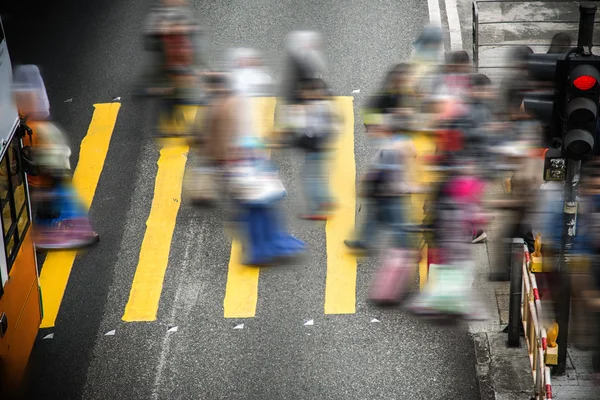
<point x="213" y="142"/>
<point x="177" y="44"/>
<point x="586" y="250"/>
<point x="456" y="80"/>
<point x="426" y="63"/>
<point x="222" y="122"/>
<point x="480" y="102"/>
<point x="315" y="123"/>
<point x="386" y="188"/>
<point x="519" y="149"/>
<point x="256" y="190"/>
<point x="60" y="218"/>
<point x="250" y="79"/>
<point x="449" y="288"/>
<point x="429" y="46"/>
<point x="305" y="61"/>
<point x="393" y="95"/>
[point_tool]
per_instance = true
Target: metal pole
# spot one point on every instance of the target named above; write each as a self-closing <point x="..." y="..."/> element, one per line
<point x="587" y="11"/>
<point x="516" y="291"/>
<point x="475" y="36"/>
<point x="563" y="301"/>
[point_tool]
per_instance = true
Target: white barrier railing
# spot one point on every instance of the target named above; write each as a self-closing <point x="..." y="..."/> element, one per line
<point x="535" y="334"/>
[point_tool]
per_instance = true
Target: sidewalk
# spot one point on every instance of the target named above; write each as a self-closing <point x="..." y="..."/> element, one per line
<point x="504" y="373"/>
<point x="577" y="383"/>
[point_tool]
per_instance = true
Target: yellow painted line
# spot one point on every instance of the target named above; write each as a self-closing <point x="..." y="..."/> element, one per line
<point x="425" y="146"/>
<point x="189" y="114"/>
<point x="146" y="289"/>
<point x="340" y="283"/>
<point x="57" y="266"/>
<point x="154" y="253"/>
<point x="241" y="290"/>
<point x="423" y="271"/>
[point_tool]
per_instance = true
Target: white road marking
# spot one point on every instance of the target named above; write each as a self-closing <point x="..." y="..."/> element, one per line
<point x="164" y="352"/>
<point x="434" y="12"/>
<point x="454" y="25"/>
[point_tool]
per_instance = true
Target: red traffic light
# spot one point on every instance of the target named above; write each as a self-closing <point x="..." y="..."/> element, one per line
<point x="584" y="82"/>
<point x="584" y="77"/>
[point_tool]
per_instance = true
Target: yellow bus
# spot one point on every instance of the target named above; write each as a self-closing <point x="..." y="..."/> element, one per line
<point x="20" y="296"/>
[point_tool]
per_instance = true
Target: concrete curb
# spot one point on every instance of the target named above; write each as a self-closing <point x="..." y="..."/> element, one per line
<point x="502" y="373"/>
<point x="482" y="366"/>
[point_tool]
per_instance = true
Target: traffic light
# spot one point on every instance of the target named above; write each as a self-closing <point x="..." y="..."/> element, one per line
<point x="580" y="110"/>
<point x="571" y="107"/>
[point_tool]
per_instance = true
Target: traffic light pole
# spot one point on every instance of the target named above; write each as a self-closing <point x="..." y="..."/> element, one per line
<point x="563" y="301"/>
<point x="587" y="12"/>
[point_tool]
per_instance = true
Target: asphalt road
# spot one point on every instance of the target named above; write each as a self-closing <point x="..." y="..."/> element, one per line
<point x="91" y="52"/>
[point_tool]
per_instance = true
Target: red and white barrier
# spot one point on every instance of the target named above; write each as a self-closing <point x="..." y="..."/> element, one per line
<point x="535" y="334"/>
<point x="548" y="384"/>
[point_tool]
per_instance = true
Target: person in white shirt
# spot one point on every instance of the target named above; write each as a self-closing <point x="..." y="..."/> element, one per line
<point x="249" y="79"/>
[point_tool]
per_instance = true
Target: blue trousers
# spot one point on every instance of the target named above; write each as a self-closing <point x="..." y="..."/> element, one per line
<point x="385" y="212"/>
<point x="316" y="181"/>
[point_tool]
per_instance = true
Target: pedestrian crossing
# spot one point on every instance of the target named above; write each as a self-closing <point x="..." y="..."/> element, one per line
<point x="241" y="291"/>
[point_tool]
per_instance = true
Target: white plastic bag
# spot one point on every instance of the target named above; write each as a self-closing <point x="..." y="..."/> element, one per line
<point x="250" y="184"/>
<point x="448" y="290"/>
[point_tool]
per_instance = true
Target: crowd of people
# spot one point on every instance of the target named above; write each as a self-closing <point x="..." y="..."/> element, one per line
<point x="434" y="92"/>
<point x="482" y="135"/>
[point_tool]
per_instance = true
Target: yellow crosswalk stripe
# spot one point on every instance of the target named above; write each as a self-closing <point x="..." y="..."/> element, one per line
<point x="57" y="266"/>
<point x="425" y="146"/>
<point x="340" y="284"/>
<point x="241" y="290"/>
<point x="146" y="289"/>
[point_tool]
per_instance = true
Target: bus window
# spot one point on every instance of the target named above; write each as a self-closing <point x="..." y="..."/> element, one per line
<point x="20" y="195"/>
<point x="13" y="199"/>
<point x="7" y="211"/>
